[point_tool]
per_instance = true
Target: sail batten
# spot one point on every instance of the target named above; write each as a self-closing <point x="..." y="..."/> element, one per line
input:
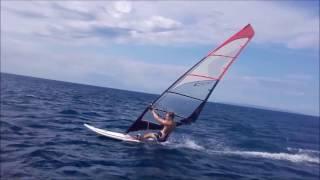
<point x="187" y="96"/>
<point x="198" y="75"/>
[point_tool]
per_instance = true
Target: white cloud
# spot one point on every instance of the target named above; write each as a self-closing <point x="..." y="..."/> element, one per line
<point x="96" y="69"/>
<point x="158" y="22"/>
<point x="165" y="22"/>
<point x="292" y="92"/>
<point x="123" y="6"/>
<point x="119" y="9"/>
<point x="306" y="41"/>
<point x="299" y="77"/>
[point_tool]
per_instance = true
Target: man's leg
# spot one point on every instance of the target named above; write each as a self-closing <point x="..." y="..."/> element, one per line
<point x="149" y="135"/>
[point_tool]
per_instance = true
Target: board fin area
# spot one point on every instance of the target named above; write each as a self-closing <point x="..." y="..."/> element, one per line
<point x="112" y="135"/>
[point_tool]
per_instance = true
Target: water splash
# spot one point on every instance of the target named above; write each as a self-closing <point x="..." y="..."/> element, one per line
<point x="295" y="155"/>
<point x="184" y="142"/>
<point x="276" y="156"/>
<point x="306" y="151"/>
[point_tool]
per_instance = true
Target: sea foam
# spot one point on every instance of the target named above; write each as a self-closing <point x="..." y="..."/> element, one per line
<point x="299" y="157"/>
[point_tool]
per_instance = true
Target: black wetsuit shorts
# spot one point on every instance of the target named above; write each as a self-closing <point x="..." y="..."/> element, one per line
<point x="159" y="137"/>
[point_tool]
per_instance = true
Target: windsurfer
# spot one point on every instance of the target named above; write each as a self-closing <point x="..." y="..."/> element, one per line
<point x="168" y="126"/>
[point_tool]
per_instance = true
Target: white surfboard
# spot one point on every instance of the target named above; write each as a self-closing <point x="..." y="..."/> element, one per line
<point x="112" y="135"/>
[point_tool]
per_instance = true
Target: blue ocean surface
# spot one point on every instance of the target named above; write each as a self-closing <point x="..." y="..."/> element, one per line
<point x="43" y="137"/>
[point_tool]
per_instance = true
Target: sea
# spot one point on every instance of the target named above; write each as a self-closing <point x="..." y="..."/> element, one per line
<point x="43" y="137"/>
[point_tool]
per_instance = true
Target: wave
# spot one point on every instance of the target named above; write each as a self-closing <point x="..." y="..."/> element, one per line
<point x="300" y="150"/>
<point x="299" y="155"/>
<point x="275" y="156"/>
<point x="30" y="96"/>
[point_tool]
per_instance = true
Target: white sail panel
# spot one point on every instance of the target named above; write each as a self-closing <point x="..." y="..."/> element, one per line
<point x="212" y="67"/>
<point x="194" y="86"/>
<point x="232" y="48"/>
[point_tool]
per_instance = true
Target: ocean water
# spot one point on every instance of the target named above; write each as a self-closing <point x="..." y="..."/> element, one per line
<point x="43" y="137"/>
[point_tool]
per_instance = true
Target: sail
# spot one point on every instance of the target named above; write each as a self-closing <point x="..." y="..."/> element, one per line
<point x="187" y="96"/>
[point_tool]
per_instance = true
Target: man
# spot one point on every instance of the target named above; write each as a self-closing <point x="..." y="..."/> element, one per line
<point x="168" y="126"/>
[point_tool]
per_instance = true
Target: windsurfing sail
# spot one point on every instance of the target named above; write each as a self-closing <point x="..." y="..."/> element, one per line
<point x="187" y="96"/>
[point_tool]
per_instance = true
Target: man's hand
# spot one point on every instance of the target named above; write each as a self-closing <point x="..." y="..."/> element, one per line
<point x="150" y="107"/>
<point x="158" y="118"/>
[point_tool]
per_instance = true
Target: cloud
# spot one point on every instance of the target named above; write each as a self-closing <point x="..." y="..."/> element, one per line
<point x="164" y="23"/>
<point x="81" y="67"/>
<point x="75" y="21"/>
<point x="122" y="6"/>
<point x="291" y="92"/>
<point x="158" y="24"/>
<point x="306" y="41"/>
<point x="299" y="77"/>
<point x="25" y="14"/>
<point x="65" y="11"/>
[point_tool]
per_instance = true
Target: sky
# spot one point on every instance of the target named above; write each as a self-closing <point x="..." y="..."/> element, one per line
<point x="145" y="46"/>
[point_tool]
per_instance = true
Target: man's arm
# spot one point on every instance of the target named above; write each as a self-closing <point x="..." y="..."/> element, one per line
<point x="160" y="120"/>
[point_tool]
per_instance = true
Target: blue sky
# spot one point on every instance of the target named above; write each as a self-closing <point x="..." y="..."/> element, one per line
<point x="144" y="46"/>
